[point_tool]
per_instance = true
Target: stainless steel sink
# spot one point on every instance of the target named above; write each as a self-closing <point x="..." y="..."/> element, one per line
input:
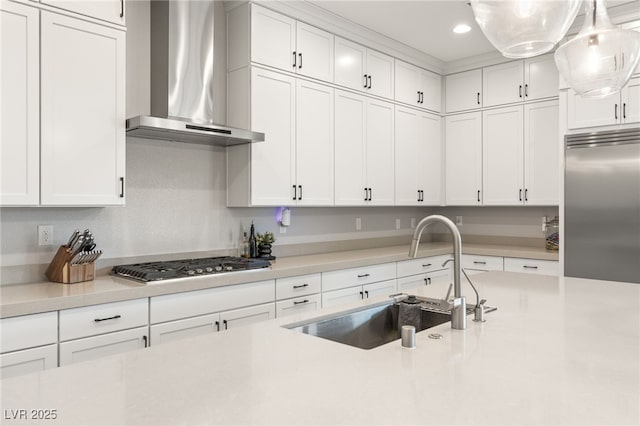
<point x="366" y="328"/>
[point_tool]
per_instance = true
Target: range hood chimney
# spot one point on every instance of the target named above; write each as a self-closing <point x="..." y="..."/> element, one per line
<point x="182" y="78"/>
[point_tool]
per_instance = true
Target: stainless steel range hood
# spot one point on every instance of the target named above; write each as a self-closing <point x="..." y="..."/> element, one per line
<point x="182" y="78"/>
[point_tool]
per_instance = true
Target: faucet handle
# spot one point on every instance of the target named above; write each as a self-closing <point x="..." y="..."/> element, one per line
<point x="447" y="261"/>
<point x="446" y="298"/>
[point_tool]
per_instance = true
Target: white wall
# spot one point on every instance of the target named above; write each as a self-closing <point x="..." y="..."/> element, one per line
<point x="176" y="194"/>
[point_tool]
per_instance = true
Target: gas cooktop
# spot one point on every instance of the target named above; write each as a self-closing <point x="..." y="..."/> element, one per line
<point x="172" y="269"/>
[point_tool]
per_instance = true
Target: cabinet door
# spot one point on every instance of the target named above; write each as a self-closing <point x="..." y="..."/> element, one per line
<point x="463" y="159"/>
<point x="540" y="77"/>
<point x="431" y="88"/>
<point x="590" y="112"/>
<point x="104" y="345"/>
<point x="315" y="52"/>
<point x="298" y="305"/>
<point x="273" y="112"/>
<point x="631" y="101"/>
<point x="273" y="39"/>
<point x="502" y="154"/>
<point x="407" y="83"/>
<point x="384" y="288"/>
<point x="82" y="105"/>
<point x="380" y="71"/>
<point x="28" y="361"/>
<point x="463" y="91"/>
<point x="502" y="84"/>
<point x="19" y="105"/>
<point x="437" y="284"/>
<point x="407" y="142"/>
<point x="314" y="144"/>
<point x="411" y="284"/>
<point x="246" y="316"/>
<point x="350" y="138"/>
<point x="106" y="10"/>
<point x="429" y="152"/>
<point x="342" y="297"/>
<point x="176" y="330"/>
<point x="379" y="164"/>
<point x="350" y="59"/>
<point x="541" y="154"/>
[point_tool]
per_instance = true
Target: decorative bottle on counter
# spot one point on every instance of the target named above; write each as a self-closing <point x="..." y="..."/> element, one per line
<point x="245" y="246"/>
<point x="253" y="243"/>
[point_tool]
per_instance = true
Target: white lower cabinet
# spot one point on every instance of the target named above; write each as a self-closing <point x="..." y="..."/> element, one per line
<point x="435" y="283"/>
<point x="298" y="294"/>
<point x="298" y="305"/>
<point x="175" y="330"/>
<point x="354" y="294"/>
<point x="106" y="344"/>
<point x="482" y="263"/>
<point x="531" y="266"/>
<point x="28" y="361"/>
<point x="246" y="316"/>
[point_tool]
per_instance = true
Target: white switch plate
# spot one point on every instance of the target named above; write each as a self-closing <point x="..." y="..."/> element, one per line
<point x="358" y="224"/>
<point x="397" y="223"/>
<point x="283" y="229"/>
<point x="458" y="220"/>
<point x="45" y="235"/>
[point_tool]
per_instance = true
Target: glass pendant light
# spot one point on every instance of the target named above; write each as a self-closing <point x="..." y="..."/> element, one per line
<point x="599" y="61"/>
<point x="524" y="28"/>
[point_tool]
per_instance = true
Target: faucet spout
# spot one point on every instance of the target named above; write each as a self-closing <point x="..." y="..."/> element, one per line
<point x="458" y="314"/>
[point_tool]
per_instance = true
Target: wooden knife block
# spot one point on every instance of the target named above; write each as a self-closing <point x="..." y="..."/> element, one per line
<point x="61" y="270"/>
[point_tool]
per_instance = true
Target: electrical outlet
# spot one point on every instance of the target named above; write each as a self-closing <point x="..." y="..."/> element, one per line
<point x="45" y="235"/>
<point x="413" y="222"/>
<point x="358" y="224"/>
<point x="397" y="223"/>
<point x="458" y="220"/>
<point x="283" y="229"/>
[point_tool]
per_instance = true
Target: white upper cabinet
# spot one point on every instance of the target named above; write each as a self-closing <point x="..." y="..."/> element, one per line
<point x="379" y="153"/>
<point x="417" y="87"/>
<point x="106" y="10"/>
<point x="19" y="103"/>
<point x="463" y="91"/>
<point x="363" y="69"/>
<point x="619" y="108"/>
<point x="284" y="43"/>
<point x="418" y="156"/>
<point x="82" y="112"/>
<point x="541" y="154"/>
<point x="524" y="80"/>
<point x="463" y="159"/>
<point x="502" y="152"/>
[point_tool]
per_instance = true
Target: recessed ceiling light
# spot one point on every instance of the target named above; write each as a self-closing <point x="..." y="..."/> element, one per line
<point x="461" y="29"/>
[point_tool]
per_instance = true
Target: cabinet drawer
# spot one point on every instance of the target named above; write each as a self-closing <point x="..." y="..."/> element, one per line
<point x="105" y="318"/>
<point x="28" y="361"/>
<point x="104" y="345"/>
<point x="175" y="330"/>
<point x="246" y="316"/>
<point x="417" y="266"/>
<point x="298" y="305"/>
<point x="202" y="302"/>
<point x="482" y="263"/>
<point x="531" y="266"/>
<point x="28" y="331"/>
<point x="342" y="296"/>
<point x="297" y="286"/>
<point x="335" y="280"/>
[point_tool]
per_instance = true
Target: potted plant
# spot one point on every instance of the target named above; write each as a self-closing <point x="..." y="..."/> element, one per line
<point x="264" y="245"/>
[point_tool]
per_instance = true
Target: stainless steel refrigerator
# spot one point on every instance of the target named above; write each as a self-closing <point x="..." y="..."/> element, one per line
<point x="602" y="205"/>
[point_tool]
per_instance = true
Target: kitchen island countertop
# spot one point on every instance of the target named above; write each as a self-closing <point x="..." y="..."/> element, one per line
<point x="23" y="299"/>
<point x="558" y="351"/>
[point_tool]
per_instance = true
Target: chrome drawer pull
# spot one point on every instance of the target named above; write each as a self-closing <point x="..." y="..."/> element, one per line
<point x="107" y="319"/>
<point x="301" y="286"/>
<point x="363" y="275"/>
<point x="301" y="302"/>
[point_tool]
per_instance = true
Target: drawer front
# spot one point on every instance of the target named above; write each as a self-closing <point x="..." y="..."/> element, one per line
<point x="28" y="361"/>
<point x="28" y="331"/>
<point x="176" y="330"/>
<point x="203" y="302"/>
<point x="344" y="278"/>
<point x="105" y="318"/>
<point x="482" y="263"/>
<point x="417" y="266"/>
<point x="297" y="286"/>
<point x="298" y="305"/>
<point x="531" y="266"/>
<point x="101" y="346"/>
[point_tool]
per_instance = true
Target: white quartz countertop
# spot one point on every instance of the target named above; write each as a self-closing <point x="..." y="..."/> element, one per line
<point x="558" y="351"/>
<point x="23" y="299"/>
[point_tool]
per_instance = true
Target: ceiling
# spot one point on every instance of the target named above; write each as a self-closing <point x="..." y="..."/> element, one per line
<point x="425" y="25"/>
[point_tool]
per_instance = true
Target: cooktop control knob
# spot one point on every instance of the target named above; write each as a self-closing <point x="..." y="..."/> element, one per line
<point x="208" y="269"/>
<point x="191" y="272"/>
<point x="218" y="268"/>
<point x="228" y="268"/>
<point x="199" y="271"/>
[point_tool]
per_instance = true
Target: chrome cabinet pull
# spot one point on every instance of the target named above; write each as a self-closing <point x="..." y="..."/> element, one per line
<point x="145" y="341"/>
<point x="295" y="63"/>
<point x="107" y="319"/>
<point x="299" y="302"/>
<point x="364" y="275"/>
<point x="301" y="286"/>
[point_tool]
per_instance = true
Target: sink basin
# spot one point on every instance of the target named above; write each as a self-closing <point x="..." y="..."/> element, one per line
<point x="366" y="328"/>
